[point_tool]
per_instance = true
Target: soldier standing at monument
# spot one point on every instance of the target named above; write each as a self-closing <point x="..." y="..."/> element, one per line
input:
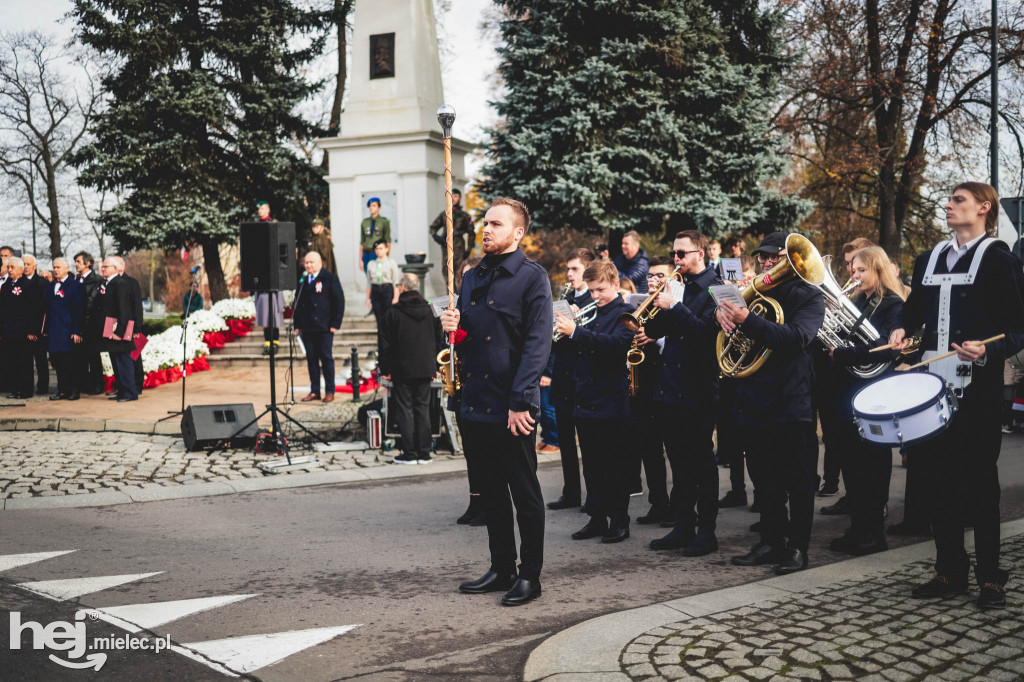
<point x="321" y="242"/>
<point x="463" y="234"/>
<point x="372" y="230"/>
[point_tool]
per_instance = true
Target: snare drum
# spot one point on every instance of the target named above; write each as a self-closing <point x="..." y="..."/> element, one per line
<point x="904" y="408"/>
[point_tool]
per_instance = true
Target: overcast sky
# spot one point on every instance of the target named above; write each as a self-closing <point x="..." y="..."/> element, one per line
<point x="466" y="75"/>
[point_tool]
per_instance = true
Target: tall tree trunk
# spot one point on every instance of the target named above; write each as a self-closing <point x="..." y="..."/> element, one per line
<point x="342" y="8"/>
<point x="53" y="224"/>
<point x="214" y="271"/>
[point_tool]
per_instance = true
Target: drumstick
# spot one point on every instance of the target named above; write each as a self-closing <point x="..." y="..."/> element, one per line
<point x="953" y="352"/>
<point x="885" y="347"/>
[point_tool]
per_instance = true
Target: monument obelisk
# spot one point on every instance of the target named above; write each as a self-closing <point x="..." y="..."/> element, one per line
<point x="389" y="144"/>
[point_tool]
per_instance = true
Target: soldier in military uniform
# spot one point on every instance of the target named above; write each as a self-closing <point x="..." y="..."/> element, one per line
<point x="321" y="242"/>
<point x="463" y="235"/>
<point x="372" y="229"/>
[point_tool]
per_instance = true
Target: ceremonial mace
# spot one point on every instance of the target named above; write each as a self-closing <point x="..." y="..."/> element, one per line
<point x="449" y="369"/>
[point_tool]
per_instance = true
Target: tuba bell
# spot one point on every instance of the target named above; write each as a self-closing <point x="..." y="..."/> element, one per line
<point x="740" y="356"/>
<point x="840" y="327"/>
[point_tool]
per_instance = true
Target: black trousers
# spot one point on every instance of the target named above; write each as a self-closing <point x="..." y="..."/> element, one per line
<point x="18" y="361"/>
<point x="915" y="502"/>
<point x="647" y="450"/>
<point x="412" y="397"/>
<point x="381" y="296"/>
<point x="960" y="475"/>
<point x="783" y="464"/>
<point x="606" y="464"/>
<point x="867" y="470"/>
<point x="570" y="460"/>
<point x="319" y="354"/>
<point x="831" y="434"/>
<point x="507" y="467"/>
<point x="67" y="375"/>
<point x="39" y="357"/>
<point x="730" y="449"/>
<point x="89" y="366"/>
<point x="124" y="374"/>
<point x="687" y="433"/>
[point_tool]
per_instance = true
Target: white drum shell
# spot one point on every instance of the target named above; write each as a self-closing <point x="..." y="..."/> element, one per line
<point x="909" y="425"/>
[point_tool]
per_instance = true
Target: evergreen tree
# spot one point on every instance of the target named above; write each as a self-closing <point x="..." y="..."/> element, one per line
<point x="620" y="111"/>
<point x="202" y="104"/>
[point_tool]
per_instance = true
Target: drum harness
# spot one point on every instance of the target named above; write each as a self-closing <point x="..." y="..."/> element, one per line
<point x="954" y="371"/>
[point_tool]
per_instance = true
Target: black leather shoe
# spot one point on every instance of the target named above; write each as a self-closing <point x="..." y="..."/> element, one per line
<point x="760" y="555"/>
<point x="478" y="520"/>
<point x="733" y="498"/>
<point x="704" y="543"/>
<point x="57" y="396"/>
<point x="593" y="529"/>
<point x="993" y="596"/>
<point x="909" y="529"/>
<point x="126" y="400"/>
<point x="113" y="397"/>
<point x="657" y="514"/>
<point x="471" y="511"/>
<point x="829" y="490"/>
<point x="492" y="581"/>
<point x="523" y="592"/>
<point x="939" y="587"/>
<point x="846" y="542"/>
<point x="842" y="506"/>
<point x="616" y="533"/>
<point x="872" y="544"/>
<point x="679" y="537"/>
<point x="563" y="503"/>
<point x="74" y="396"/>
<point x="796" y="560"/>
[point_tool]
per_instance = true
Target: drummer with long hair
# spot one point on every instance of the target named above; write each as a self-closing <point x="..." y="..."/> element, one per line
<point x="866" y="468"/>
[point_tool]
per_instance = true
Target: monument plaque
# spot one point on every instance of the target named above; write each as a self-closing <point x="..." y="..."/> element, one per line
<point x="382" y="56"/>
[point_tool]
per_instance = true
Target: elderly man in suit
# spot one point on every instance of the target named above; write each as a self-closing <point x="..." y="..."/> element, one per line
<point x="319" y="309"/>
<point x="116" y="305"/>
<point x="87" y="360"/>
<point x="20" y="319"/>
<point x="137" y="314"/>
<point x="38" y="285"/>
<point x="65" y="299"/>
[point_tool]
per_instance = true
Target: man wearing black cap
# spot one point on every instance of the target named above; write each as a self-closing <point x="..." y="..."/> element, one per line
<point x="463" y="234"/>
<point x="772" y="413"/>
<point x="371" y="230"/>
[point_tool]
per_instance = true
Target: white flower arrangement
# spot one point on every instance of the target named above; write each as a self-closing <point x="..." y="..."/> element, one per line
<point x="235" y="308"/>
<point x="164" y="350"/>
<point x="289" y="297"/>
<point x="206" y="321"/>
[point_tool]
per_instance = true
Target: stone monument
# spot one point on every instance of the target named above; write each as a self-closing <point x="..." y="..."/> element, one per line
<point x="390" y="144"/>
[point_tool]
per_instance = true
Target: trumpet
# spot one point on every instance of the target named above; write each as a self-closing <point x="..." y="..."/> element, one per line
<point x="582" y="317"/>
<point x="646" y="310"/>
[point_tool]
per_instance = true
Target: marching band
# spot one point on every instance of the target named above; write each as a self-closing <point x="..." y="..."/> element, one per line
<point x="638" y="383"/>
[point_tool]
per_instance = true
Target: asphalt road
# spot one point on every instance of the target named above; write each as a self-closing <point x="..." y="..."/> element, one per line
<point x="386" y="556"/>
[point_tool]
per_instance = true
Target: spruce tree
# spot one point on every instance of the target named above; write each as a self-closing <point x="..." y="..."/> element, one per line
<point x="617" y="112"/>
<point x="202" y="103"/>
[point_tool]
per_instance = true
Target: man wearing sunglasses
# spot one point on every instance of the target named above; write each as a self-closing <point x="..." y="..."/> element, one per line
<point x="684" y="397"/>
<point x="772" y="413"/>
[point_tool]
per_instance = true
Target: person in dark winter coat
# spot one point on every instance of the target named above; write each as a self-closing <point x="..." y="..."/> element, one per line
<point x="87" y="360"/>
<point x="632" y="263"/>
<point x="319" y="309"/>
<point x="116" y="303"/>
<point x="407" y="346"/>
<point x="20" y="318"/>
<point x="65" y="305"/>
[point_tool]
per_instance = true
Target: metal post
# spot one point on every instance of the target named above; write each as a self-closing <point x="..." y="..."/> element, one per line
<point x="355" y="374"/>
<point x="994" y="150"/>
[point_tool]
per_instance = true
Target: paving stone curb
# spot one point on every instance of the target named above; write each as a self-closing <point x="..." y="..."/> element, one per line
<point x="591" y="650"/>
<point x="269" y="482"/>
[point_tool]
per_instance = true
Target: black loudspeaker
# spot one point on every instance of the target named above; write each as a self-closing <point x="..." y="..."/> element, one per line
<point x="204" y="426"/>
<point x="268" y="256"/>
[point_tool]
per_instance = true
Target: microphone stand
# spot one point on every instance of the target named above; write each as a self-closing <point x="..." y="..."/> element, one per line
<point x="184" y="347"/>
<point x="291" y="342"/>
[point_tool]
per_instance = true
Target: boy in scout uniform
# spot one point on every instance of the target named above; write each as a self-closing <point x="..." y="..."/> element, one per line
<point x="372" y="230"/>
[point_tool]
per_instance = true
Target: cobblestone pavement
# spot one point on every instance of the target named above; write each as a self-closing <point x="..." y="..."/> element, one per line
<point x="47" y="463"/>
<point x="869" y="630"/>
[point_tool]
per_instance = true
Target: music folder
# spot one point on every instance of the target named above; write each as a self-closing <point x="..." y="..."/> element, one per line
<point x="110" y="324"/>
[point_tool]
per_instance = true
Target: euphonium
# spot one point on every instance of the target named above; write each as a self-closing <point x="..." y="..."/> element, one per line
<point x="740" y="356"/>
<point x="647" y="309"/>
<point x="841" y="314"/>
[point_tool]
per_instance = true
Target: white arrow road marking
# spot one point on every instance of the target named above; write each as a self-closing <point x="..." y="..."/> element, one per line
<point x="14" y="560"/>
<point x="62" y="590"/>
<point x="245" y="654"/>
<point x="136" y="617"/>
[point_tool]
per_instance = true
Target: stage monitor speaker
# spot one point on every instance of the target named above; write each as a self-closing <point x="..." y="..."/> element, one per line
<point x="204" y="426"/>
<point x="268" y="256"/>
